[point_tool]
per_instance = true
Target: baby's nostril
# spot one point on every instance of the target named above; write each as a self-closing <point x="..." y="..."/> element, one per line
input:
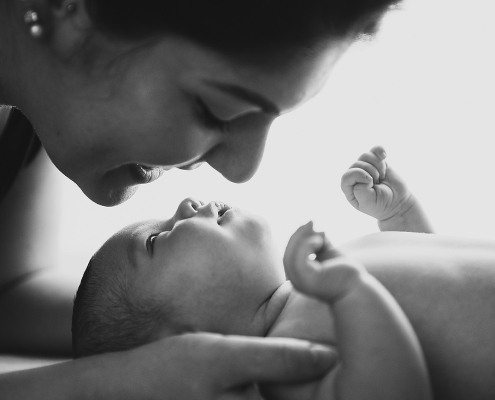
<point x="195" y="205"/>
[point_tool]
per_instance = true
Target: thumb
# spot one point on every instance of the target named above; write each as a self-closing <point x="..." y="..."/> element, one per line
<point x="273" y="360"/>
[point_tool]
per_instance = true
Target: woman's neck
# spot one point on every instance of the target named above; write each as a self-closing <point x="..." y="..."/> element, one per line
<point x="15" y="49"/>
<point x="4" y="116"/>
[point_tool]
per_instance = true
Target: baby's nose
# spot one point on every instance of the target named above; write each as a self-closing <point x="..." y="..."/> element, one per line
<point x="208" y="210"/>
<point x="188" y="208"/>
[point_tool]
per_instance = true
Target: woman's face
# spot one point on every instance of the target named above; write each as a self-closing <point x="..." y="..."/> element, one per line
<point x="167" y="104"/>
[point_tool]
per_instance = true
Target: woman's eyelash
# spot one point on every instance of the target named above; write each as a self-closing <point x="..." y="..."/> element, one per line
<point x="210" y="119"/>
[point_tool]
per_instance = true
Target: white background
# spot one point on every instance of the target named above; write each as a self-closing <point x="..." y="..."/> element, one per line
<point x="424" y="89"/>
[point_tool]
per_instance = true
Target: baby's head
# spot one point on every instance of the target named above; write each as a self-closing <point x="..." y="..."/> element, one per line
<point x="208" y="268"/>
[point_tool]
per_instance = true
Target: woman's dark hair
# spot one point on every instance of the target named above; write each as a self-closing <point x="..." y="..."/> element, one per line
<point x="239" y="27"/>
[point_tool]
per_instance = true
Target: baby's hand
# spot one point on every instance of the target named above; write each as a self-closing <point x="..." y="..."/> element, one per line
<point x="373" y="188"/>
<point x="330" y="276"/>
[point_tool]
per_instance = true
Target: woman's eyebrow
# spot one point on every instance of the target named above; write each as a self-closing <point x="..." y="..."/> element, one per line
<point x="247" y="95"/>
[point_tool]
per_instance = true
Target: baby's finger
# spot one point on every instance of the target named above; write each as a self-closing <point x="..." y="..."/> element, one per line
<point x="376" y="161"/>
<point x="353" y="179"/>
<point x="327" y="251"/>
<point x="379" y="151"/>
<point x="298" y="267"/>
<point x="369" y="168"/>
<point x="354" y="176"/>
<point x="329" y="281"/>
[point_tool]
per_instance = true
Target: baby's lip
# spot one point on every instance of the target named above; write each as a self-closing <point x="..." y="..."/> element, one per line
<point x="222" y="210"/>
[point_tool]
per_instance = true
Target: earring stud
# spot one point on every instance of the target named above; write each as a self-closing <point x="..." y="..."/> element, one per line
<point x="32" y="18"/>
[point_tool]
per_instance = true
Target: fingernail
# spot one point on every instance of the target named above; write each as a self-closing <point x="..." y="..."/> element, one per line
<point x="324" y="357"/>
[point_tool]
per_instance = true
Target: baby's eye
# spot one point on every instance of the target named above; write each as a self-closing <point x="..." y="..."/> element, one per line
<point x="150" y="241"/>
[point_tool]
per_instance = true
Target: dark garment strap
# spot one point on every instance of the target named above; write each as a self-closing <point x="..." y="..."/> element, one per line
<point x="18" y="147"/>
<point x="10" y="285"/>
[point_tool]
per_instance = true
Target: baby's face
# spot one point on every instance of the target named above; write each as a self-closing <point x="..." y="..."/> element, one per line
<point x="216" y="265"/>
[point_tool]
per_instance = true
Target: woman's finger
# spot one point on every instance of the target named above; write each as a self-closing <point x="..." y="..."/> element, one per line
<point x="242" y="360"/>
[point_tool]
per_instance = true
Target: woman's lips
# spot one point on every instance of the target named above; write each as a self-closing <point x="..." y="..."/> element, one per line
<point x="143" y="174"/>
<point x="193" y="165"/>
<point x="140" y="174"/>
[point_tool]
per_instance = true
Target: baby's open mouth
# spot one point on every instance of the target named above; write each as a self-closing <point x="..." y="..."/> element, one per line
<point x="222" y="209"/>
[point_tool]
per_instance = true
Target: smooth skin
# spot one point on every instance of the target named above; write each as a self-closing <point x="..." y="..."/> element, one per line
<point x="91" y="114"/>
<point x="380" y="356"/>
<point x="195" y="366"/>
<point x="452" y="279"/>
<point x="214" y="268"/>
<point x="42" y="307"/>
<point x="190" y="103"/>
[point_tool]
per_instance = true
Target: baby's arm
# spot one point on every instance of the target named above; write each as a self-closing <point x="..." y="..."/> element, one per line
<point x="380" y="355"/>
<point x="373" y="187"/>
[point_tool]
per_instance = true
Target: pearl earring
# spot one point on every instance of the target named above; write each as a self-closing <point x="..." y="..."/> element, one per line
<point x="31" y="18"/>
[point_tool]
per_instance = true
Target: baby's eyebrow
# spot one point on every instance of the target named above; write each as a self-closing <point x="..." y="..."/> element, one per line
<point x="134" y="240"/>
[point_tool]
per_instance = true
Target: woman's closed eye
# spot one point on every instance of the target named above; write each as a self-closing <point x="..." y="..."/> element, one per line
<point x="210" y="119"/>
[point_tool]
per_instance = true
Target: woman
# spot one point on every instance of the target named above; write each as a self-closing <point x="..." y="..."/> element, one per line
<point x="118" y="92"/>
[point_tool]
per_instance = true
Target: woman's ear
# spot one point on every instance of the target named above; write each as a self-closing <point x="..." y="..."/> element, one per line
<point x="70" y="27"/>
<point x="63" y="25"/>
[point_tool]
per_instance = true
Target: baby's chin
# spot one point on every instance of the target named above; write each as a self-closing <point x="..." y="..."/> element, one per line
<point x="276" y="305"/>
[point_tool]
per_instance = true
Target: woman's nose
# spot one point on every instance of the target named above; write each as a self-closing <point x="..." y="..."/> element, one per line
<point x="188" y="208"/>
<point x="239" y="155"/>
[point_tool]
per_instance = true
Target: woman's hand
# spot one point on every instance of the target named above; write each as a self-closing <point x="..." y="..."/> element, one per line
<point x="192" y="366"/>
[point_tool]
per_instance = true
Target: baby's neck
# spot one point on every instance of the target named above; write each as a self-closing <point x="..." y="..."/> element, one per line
<point x="276" y="305"/>
<point x="292" y="314"/>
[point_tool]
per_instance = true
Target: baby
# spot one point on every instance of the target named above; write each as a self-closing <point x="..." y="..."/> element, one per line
<point x="214" y="268"/>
